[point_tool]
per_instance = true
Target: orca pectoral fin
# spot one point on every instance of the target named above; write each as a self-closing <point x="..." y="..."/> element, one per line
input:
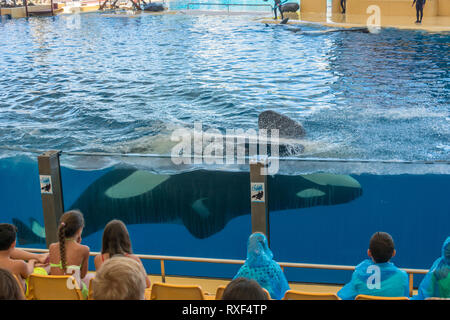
<point x="25" y="234"/>
<point x="310" y="193"/>
<point x="37" y="228"/>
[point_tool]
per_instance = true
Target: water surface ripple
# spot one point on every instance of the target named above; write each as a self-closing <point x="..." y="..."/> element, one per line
<point x="123" y="83"/>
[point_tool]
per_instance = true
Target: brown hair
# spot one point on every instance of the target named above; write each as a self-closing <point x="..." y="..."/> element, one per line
<point x="70" y="223"/>
<point x="120" y="278"/>
<point x="381" y="247"/>
<point x="116" y="239"/>
<point x="9" y="287"/>
<point x="244" y="289"/>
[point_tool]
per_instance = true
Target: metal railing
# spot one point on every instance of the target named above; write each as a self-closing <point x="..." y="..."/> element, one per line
<point x="283" y="265"/>
<point x="228" y="5"/>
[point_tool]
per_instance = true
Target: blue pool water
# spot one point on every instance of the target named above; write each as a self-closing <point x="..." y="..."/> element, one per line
<point x="105" y="82"/>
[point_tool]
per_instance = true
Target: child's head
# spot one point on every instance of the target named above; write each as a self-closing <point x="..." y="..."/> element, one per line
<point x="244" y="289"/>
<point x="9" y="287"/>
<point x="116" y="239"/>
<point x="7" y="236"/>
<point x="70" y="227"/>
<point x="381" y="247"/>
<point x="120" y="278"/>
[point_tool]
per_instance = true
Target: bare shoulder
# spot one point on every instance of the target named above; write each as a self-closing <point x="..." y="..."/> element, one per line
<point x="53" y="247"/>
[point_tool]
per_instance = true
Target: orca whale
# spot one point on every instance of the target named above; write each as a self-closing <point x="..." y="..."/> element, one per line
<point x="202" y="200"/>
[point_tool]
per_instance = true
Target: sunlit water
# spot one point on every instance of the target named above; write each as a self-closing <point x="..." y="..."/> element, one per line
<point x="124" y="83"/>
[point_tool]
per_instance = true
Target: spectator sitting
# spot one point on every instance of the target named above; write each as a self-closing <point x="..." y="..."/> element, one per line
<point x="260" y="267"/>
<point x="69" y="256"/>
<point x="377" y="276"/>
<point x="244" y="289"/>
<point x="120" y="278"/>
<point x="116" y="241"/>
<point x="436" y="283"/>
<point x="9" y="287"/>
<point x="20" y="268"/>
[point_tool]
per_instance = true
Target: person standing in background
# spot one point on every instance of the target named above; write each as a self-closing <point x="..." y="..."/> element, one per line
<point x="343" y="5"/>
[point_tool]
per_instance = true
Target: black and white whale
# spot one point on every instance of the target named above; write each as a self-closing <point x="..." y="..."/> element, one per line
<point x="203" y="201"/>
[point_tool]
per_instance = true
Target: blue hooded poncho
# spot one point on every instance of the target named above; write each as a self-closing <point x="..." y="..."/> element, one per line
<point x="437" y="281"/>
<point x="392" y="282"/>
<point x="260" y="267"/>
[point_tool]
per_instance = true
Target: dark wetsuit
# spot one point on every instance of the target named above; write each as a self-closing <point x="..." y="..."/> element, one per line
<point x="343" y="3"/>
<point x="277" y="5"/>
<point x="419" y="9"/>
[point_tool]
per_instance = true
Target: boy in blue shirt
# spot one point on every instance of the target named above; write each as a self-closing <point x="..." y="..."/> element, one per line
<point x="377" y="276"/>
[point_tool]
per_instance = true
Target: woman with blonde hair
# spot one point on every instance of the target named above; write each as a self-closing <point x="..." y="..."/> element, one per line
<point x="119" y="278"/>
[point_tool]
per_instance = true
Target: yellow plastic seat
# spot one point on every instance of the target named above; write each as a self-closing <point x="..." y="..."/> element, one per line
<point x="20" y="283"/>
<point x="300" y="295"/>
<point x="367" y="297"/>
<point x="148" y="294"/>
<point x="53" y="288"/>
<point x="165" y="291"/>
<point x="221" y="289"/>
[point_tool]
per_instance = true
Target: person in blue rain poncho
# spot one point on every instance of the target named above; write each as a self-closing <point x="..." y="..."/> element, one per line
<point x="436" y="283"/>
<point x="377" y="276"/>
<point x="260" y="267"/>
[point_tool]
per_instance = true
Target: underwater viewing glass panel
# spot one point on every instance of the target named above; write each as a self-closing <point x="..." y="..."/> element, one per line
<point x="321" y="211"/>
<point x="326" y="212"/>
<point x="21" y="199"/>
